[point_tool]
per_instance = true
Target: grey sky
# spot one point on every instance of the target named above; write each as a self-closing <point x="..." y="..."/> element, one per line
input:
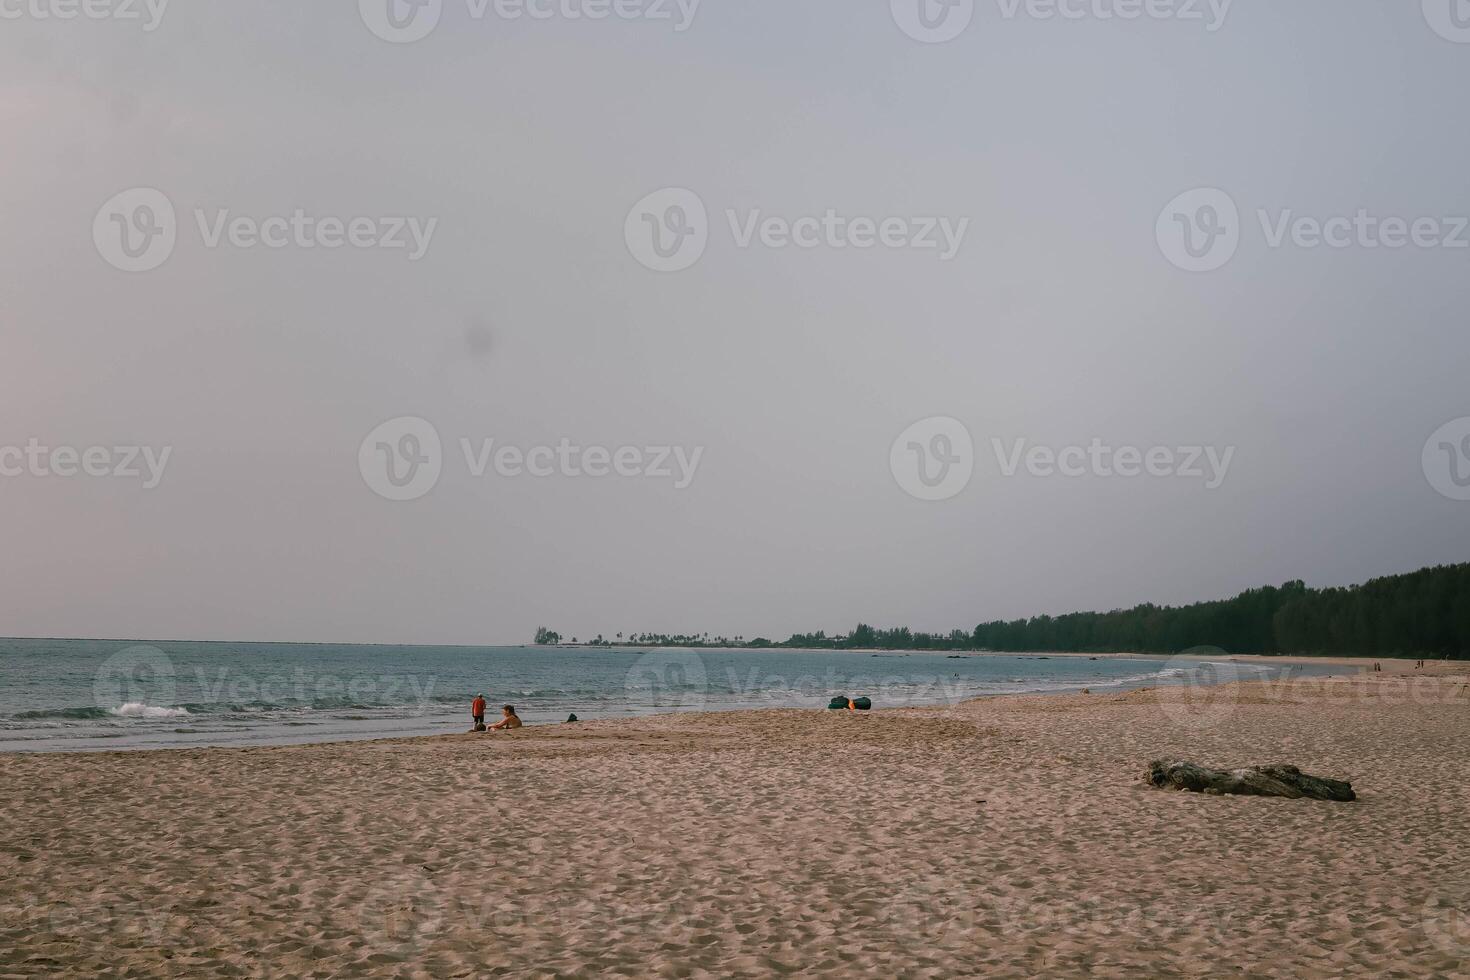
<point x="528" y="320"/>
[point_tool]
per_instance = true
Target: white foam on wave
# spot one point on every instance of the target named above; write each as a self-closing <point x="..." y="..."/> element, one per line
<point x="1232" y="671"/>
<point x="1256" y="668"/>
<point x="137" y="709"/>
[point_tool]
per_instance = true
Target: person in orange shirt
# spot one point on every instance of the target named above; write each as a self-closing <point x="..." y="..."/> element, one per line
<point x="477" y="712"/>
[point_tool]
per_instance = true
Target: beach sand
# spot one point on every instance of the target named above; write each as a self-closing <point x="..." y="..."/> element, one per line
<point x="1006" y="837"/>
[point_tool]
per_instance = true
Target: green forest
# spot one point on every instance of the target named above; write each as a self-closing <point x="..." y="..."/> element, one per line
<point x="1420" y="614"/>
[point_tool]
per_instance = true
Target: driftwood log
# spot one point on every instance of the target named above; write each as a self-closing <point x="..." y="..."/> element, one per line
<point x="1287" y="781"/>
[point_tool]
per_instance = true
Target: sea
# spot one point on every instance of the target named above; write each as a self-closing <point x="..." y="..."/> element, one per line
<point x="110" y="695"/>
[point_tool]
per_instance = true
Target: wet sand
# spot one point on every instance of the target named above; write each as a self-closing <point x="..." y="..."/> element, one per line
<point x="1008" y="837"/>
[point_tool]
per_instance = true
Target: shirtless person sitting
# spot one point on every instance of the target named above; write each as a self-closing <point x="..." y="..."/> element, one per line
<point x="511" y="720"/>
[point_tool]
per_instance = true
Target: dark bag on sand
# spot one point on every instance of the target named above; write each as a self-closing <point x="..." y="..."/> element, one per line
<point x="837" y="704"/>
<point x="862" y="704"/>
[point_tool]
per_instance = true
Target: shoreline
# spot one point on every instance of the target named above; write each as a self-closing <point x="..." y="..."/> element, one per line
<point x="1000" y="836"/>
<point x="1402" y="665"/>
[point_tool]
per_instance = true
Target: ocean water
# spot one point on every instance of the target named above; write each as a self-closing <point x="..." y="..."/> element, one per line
<point x="80" y="695"/>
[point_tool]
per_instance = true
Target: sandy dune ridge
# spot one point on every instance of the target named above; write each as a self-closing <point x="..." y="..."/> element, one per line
<point x="1008" y="837"/>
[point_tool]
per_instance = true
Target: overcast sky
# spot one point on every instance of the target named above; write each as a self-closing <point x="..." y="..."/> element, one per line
<point x="1059" y="312"/>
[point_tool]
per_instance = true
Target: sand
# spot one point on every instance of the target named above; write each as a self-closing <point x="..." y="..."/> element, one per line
<point x="1003" y="837"/>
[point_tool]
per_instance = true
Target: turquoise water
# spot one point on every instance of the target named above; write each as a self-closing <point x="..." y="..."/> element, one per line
<point x="98" y="694"/>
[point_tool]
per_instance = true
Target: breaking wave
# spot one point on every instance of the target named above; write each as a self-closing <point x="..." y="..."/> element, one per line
<point x="137" y="709"/>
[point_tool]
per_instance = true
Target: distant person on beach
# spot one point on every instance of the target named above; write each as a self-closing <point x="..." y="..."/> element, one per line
<point x="511" y="720"/>
<point x="477" y="712"/>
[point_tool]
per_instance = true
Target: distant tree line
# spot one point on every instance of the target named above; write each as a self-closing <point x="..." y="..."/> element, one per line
<point x="1424" y="613"/>
<point x="546" y="637"/>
